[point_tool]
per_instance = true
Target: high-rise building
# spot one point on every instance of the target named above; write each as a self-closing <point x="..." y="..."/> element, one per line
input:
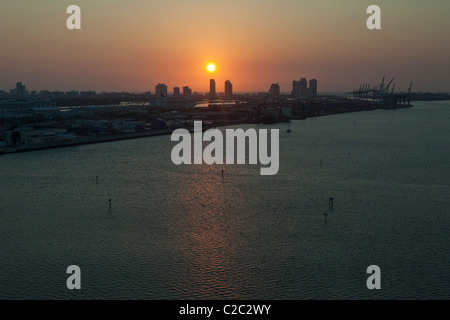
<point x="212" y="89"/>
<point x="187" y="92"/>
<point x="20" y="90"/>
<point x="228" y="89"/>
<point x="275" y="90"/>
<point x="313" y="87"/>
<point x="295" y="89"/>
<point x="303" y="87"/>
<point x="176" y="92"/>
<point x="300" y="88"/>
<point x="161" y="90"/>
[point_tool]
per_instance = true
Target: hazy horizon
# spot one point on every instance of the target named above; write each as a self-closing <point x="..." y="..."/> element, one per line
<point x="132" y="46"/>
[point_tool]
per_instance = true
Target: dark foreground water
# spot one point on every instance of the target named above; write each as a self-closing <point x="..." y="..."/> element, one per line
<point x="183" y="232"/>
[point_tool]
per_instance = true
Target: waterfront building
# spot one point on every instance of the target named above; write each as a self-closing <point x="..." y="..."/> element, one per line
<point x="313" y="87"/>
<point x="45" y="94"/>
<point x="161" y="90"/>
<point x="176" y="92"/>
<point x="212" y="89"/>
<point x="72" y="94"/>
<point x="275" y="90"/>
<point x="20" y="90"/>
<point x="187" y="92"/>
<point x="228" y="89"/>
<point x="30" y="136"/>
<point x="83" y="94"/>
<point x="300" y="88"/>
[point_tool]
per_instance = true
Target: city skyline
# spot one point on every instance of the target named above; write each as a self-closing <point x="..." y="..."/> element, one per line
<point x="161" y="90"/>
<point x="158" y="89"/>
<point x="131" y="46"/>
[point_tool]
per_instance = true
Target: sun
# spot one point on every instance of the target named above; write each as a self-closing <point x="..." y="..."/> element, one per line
<point x="211" y="67"/>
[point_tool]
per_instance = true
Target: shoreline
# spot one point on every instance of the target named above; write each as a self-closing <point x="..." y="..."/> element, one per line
<point x="105" y="139"/>
<point x="128" y="136"/>
<point x="86" y="141"/>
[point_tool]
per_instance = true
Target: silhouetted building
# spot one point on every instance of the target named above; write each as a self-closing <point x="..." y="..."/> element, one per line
<point x="161" y="90"/>
<point x="313" y="87"/>
<point x="274" y="91"/>
<point x="176" y="92"/>
<point x="72" y="94"/>
<point x="45" y="94"/>
<point x="83" y="94"/>
<point x="187" y="92"/>
<point x="212" y="89"/>
<point x="20" y="90"/>
<point x="300" y="88"/>
<point x="295" y="89"/>
<point x="228" y="89"/>
<point x="60" y="94"/>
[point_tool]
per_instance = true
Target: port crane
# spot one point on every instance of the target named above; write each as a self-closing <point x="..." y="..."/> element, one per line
<point x="387" y="87"/>
<point x="383" y="94"/>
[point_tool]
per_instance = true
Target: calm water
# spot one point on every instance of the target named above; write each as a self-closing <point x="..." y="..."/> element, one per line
<point x="181" y="232"/>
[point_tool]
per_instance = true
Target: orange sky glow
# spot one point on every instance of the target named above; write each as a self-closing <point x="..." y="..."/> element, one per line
<point x="133" y="45"/>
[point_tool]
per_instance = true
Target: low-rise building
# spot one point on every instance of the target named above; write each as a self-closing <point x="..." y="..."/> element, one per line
<point x="31" y="136"/>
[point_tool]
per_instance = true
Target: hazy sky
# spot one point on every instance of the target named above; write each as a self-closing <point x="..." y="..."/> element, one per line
<point x="132" y="45"/>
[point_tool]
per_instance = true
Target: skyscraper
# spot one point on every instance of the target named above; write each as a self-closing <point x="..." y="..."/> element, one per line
<point x="275" y="90"/>
<point x="176" y="92"/>
<point x="228" y="89"/>
<point x="212" y="89"/>
<point x="303" y="87"/>
<point x="20" y="90"/>
<point x="295" y="89"/>
<point x="187" y="92"/>
<point x="313" y="87"/>
<point x="161" y="90"/>
<point x="300" y="88"/>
